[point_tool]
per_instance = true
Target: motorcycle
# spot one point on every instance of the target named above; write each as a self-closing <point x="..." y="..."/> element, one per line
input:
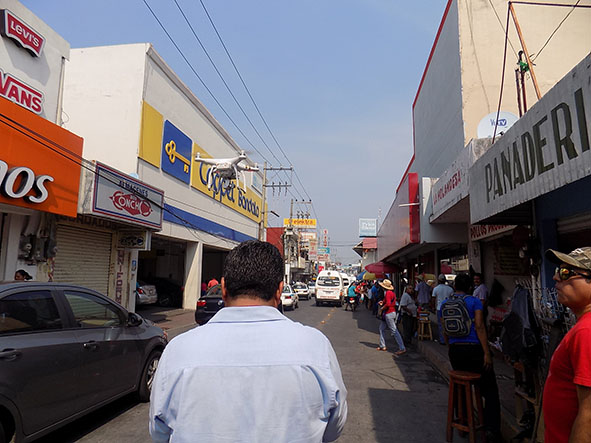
<point x="351" y="302"/>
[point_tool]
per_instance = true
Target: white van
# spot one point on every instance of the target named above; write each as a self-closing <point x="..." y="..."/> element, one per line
<point x="329" y="288"/>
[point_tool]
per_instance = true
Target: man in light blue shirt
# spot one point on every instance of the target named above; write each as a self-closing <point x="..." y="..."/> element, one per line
<point x="441" y="292"/>
<point x="250" y="374"/>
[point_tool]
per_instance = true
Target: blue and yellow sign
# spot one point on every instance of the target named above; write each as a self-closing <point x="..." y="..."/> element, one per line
<point x="165" y="146"/>
<point x="176" y="153"/>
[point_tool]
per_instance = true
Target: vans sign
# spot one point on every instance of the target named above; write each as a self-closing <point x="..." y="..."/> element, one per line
<point x="20" y="93"/>
<point x="16" y="29"/>
<point x="547" y="148"/>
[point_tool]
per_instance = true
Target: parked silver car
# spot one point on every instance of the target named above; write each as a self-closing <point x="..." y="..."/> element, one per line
<point x="145" y="294"/>
<point x="66" y="350"/>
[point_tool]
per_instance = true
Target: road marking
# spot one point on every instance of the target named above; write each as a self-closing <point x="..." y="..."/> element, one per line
<point x="332" y="311"/>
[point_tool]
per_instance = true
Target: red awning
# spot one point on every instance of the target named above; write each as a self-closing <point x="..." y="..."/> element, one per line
<point x="381" y="268"/>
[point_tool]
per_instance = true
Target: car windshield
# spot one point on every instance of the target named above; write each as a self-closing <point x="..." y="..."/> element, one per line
<point x="299" y="286"/>
<point x="286" y="289"/>
<point x="215" y="291"/>
<point x="328" y="281"/>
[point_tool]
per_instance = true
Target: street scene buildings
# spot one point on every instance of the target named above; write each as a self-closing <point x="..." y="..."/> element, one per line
<point x="115" y="177"/>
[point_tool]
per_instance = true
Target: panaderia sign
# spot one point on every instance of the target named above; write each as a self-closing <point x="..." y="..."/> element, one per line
<point x="547" y="148"/>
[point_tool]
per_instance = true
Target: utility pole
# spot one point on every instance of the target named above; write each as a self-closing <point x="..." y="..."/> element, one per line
<point x="264" y="208"/>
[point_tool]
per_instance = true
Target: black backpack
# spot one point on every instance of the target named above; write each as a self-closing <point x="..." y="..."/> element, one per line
<point x="455" y="319"/>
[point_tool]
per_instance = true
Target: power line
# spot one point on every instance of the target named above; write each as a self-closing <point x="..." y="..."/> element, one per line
<point x="557" y="28"/>
<point x="84" y="163"/>
<point x="223" y="80"/>
<point x="201" y="80"/>
<point x="251" y="96"/>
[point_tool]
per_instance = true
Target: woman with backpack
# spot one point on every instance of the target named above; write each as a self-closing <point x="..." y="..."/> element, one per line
<point x="463" y="329"/>
<point x="388" y="310"/>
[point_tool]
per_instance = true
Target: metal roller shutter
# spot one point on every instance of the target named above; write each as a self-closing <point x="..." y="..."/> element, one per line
<point x="83" y="258"/>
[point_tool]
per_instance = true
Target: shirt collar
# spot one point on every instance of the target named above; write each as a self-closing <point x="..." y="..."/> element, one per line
<point x="247" y="314"/>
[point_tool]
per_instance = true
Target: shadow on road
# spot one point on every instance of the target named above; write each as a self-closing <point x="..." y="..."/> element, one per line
<point x="85" y="425"/>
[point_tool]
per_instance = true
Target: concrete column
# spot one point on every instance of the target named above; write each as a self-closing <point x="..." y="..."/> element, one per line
<point x="193" y="261"/>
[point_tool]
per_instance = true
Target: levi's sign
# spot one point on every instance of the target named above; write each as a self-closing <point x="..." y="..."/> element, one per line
<point x="20" y="93"/>
<point x="16" y="29"/>
<point x="547" y="148"/>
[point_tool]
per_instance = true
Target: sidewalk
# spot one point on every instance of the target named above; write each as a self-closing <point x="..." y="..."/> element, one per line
<point x="436" y="354"/>
<point x="168" y="318"/>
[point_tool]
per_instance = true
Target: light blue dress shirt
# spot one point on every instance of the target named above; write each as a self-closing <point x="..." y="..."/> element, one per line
<point x="249" y="375"/>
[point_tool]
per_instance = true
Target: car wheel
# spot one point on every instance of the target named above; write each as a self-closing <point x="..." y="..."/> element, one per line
<point x="148" y="376"/>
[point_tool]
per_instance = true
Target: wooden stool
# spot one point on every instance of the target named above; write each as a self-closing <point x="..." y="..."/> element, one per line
<point x="425" y="329"/>
<point x="460" y="398"/>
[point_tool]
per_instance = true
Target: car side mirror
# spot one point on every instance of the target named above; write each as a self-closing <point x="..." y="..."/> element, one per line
<point x="134" y="319"/>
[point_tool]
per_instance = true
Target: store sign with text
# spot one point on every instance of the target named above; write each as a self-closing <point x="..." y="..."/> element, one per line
<point x="20" y="93"/>
<point x="121" y="197"/>
<point x="307" y="223"/>
<point x="20" y="32"/>
<point x="480" y="232"/>
<point x="32" y="175"/>
<point x="549" y="147"/>
<point x="236" y="196"/>
<point x="452" y="186"/>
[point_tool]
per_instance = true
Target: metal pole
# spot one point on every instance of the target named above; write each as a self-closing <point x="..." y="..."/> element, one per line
<point x="529" y="63"/>
<point x="264" y="208"/>
<point x="518" y="91"/>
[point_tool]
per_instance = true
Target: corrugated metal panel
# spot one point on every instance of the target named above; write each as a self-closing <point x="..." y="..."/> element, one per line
<point x="573" y="224"/>
<point x="83" y="258"/>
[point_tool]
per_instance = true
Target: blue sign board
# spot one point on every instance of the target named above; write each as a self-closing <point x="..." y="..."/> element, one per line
<point x="177" y="150"/>
<point x="323" y="250"/>
<point x="368" y="227"/>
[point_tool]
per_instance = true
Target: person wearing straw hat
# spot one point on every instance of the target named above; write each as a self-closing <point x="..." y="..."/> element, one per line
<point x="389" y="318"/>
<point x="567" y="392"/>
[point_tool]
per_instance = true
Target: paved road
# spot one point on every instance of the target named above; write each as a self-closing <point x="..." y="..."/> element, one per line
<point x="390" y="398"/>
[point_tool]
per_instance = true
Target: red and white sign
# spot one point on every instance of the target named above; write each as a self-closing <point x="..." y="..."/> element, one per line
<point x="20" y="93"/>
<point x="121" y="197"/>
<point x="14" y="28"/>
<point x="131" y="204"/>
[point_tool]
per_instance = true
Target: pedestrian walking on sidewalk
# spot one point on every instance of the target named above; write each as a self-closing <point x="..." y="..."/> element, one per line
<point x="408" y="310"/>
<point x="440" y="293"/>
<point x="250" y="374"/>
<point x="471" y="353"/>
<point x="567" y="393"/>
<point x="389" y="318"/>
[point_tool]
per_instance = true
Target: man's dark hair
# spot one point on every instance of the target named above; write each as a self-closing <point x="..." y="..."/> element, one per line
<point x="479" y="275"/>
<point x="253" y="269"/>
<point x="462" y="282"/>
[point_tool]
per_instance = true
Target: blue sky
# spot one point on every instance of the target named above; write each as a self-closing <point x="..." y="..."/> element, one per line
<point x="334" y="79"/>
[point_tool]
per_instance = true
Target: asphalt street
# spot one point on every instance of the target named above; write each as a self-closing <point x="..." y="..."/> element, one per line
<point x="390" y="398"/>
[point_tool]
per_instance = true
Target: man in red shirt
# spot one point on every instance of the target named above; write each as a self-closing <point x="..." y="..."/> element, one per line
<point x="567" y="393"/>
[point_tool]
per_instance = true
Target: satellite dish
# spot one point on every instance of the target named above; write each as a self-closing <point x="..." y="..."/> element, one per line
<point x="486" y="127"/>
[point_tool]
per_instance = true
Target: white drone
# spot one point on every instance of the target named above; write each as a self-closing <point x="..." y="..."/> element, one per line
<point x="227" y="169"/>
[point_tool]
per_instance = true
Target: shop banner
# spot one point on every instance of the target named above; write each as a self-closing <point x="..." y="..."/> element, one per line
<point x="306" y="223"/>
<point x="480" y="232"/>
<point x="121" y="197"/>
<point x="24" y="35"/>
<point x="549" y="147"/>
<point x="246" y="202"/>
<point x="308" y="235"/>
<point x="452" y="186"/>
<point x="368" y="227"/>
<point x="39" y="162"/>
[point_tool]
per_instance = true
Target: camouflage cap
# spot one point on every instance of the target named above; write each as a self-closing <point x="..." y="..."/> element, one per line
<point x="579" y="258"/>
